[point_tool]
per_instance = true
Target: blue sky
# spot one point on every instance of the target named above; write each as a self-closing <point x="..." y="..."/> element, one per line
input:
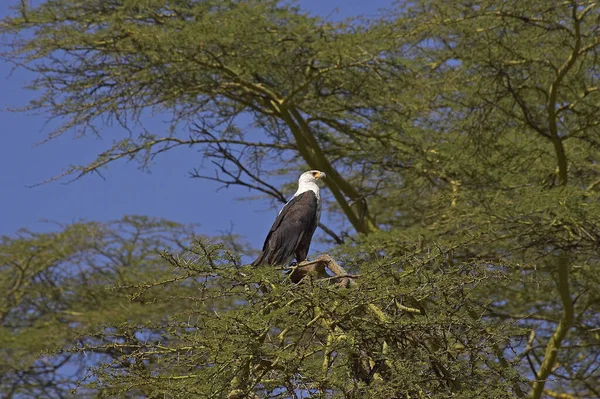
<point x="166" y="191"/>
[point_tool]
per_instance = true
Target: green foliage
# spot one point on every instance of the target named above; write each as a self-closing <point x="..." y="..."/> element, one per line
<point x="315" y="338"/>
<point x="460" y="142"/>
<point x="58" y="287"/>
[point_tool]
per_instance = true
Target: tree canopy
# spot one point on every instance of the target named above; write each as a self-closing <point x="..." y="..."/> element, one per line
<point x="460" y="141"/>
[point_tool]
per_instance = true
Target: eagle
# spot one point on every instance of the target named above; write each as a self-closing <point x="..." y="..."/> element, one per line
<point x="295" y="224"/>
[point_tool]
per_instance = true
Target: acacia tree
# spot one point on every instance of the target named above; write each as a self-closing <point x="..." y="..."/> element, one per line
<point x="116" y="60"/>
<point x="520" y="96"/>
<point x="96" y="309"/>
<point x="461" y="141"/>
<point x="57" y="293"/>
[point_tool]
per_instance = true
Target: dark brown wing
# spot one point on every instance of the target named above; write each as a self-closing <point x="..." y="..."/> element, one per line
<point x="304" y="244"/>
<point x="293" y="228"/>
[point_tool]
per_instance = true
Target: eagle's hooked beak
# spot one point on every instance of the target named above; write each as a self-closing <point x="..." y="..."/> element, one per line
<point x="320" y="175"/>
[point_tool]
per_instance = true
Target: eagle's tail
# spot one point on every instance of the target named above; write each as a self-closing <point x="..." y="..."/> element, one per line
<point x="260" y="260"/>
<point x="282" y="256"/>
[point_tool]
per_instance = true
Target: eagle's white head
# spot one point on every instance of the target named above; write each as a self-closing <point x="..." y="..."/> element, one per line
<point x="308" y="181"/>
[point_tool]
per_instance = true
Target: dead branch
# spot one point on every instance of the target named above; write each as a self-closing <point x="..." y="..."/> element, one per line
<point x="243" y="176"/>
<point x="316" y="269"/>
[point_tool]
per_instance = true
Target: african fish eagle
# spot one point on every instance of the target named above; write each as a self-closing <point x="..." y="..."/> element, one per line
<point x="295" y="225"/>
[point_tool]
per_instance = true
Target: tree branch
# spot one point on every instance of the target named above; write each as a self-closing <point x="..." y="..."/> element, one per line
<point x="561" y="330"/>
<point x="255" y="183"/>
